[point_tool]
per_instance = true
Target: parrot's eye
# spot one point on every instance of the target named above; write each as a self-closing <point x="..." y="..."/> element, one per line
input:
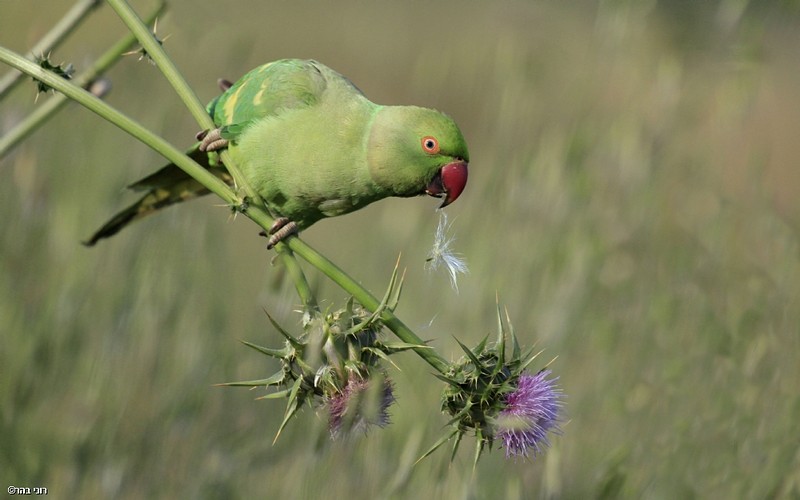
<point x="430" y="145"/>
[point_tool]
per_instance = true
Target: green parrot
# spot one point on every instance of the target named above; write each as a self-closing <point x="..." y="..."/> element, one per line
<point x="312" y="146"/>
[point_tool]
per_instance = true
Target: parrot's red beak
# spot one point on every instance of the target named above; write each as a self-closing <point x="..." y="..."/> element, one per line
<point x="449" y="181"/>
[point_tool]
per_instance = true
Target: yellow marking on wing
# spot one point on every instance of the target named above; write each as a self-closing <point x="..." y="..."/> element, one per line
<point x="229" y="109"/>
<point x="264" y="84"/>
<point x="260" y="94"/>
<point x="265" y="67"/>
<point x="230" y="105"/>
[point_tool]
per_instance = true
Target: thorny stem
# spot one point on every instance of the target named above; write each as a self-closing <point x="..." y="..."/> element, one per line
<point x="351" y="286"/>
<point x="52" y="39"/>
<point x="300" y="282"/>
<point x="127" y="124"/>
<point x="256" y="213"/>
<point x="156" y="52"/>
<point x="46" y="110"/>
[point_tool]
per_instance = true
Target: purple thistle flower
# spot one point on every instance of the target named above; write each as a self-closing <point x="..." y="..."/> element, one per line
<point x="531" y="412"/>
<point x="352" y="409"/>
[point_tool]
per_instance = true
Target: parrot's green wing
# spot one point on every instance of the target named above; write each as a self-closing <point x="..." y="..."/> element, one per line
<point x="267" y="91"/>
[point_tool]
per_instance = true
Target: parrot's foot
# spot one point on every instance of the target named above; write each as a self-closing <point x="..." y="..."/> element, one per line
<point x="211" y="140"/>
<point x="224" y="84"/>
<point x="280" y="230"/>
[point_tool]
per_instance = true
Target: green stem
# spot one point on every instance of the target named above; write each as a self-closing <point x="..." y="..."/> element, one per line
<point x="127" y="124"/>
<point x="257" y="214"/>
<point x="48" y="109"/>
<point x="156" y="52"/>
<point x="52" y="39"/>
<point x="299" y="278"/>
<point x="367" y="300"/>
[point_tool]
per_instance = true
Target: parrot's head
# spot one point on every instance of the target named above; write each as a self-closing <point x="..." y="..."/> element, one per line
<point x="413" y="151"/>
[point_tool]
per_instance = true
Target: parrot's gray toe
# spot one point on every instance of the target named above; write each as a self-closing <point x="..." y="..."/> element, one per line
<point x="280" y="230"/>
<point x="211" y="140"/>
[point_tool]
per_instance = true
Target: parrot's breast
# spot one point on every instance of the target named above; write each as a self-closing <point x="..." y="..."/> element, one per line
<point x="308" y="164"/>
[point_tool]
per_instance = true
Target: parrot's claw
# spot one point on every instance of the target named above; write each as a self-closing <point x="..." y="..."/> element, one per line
<point x="211" y="140"/>
<point x="224" y="84"/>
<point x="280" y="230"/>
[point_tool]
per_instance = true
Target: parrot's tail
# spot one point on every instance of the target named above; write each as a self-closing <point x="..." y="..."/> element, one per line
<point x="165" y="187"/>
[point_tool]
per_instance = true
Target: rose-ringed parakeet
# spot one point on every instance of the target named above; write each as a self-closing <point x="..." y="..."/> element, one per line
<point x="313" y="146"/>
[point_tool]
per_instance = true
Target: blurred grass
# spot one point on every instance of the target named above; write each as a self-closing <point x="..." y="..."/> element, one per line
<point x="633" y="199"/>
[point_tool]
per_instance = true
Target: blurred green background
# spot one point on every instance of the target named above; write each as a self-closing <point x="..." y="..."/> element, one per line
<point x="633" y="199"/>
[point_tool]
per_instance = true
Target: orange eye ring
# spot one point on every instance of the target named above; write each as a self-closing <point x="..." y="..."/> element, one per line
<point x="430" y="144"/>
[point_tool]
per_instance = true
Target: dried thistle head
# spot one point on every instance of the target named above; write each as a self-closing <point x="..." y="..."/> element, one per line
<point x="336" y="364"/>
<point x="359" y="405"/>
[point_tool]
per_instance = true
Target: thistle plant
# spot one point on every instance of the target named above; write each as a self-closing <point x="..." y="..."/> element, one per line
<point x="490" y="394"/>
<point x="530" y="413"/>
<point x="340" y="362"/>
<point x="335" y="364"/>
